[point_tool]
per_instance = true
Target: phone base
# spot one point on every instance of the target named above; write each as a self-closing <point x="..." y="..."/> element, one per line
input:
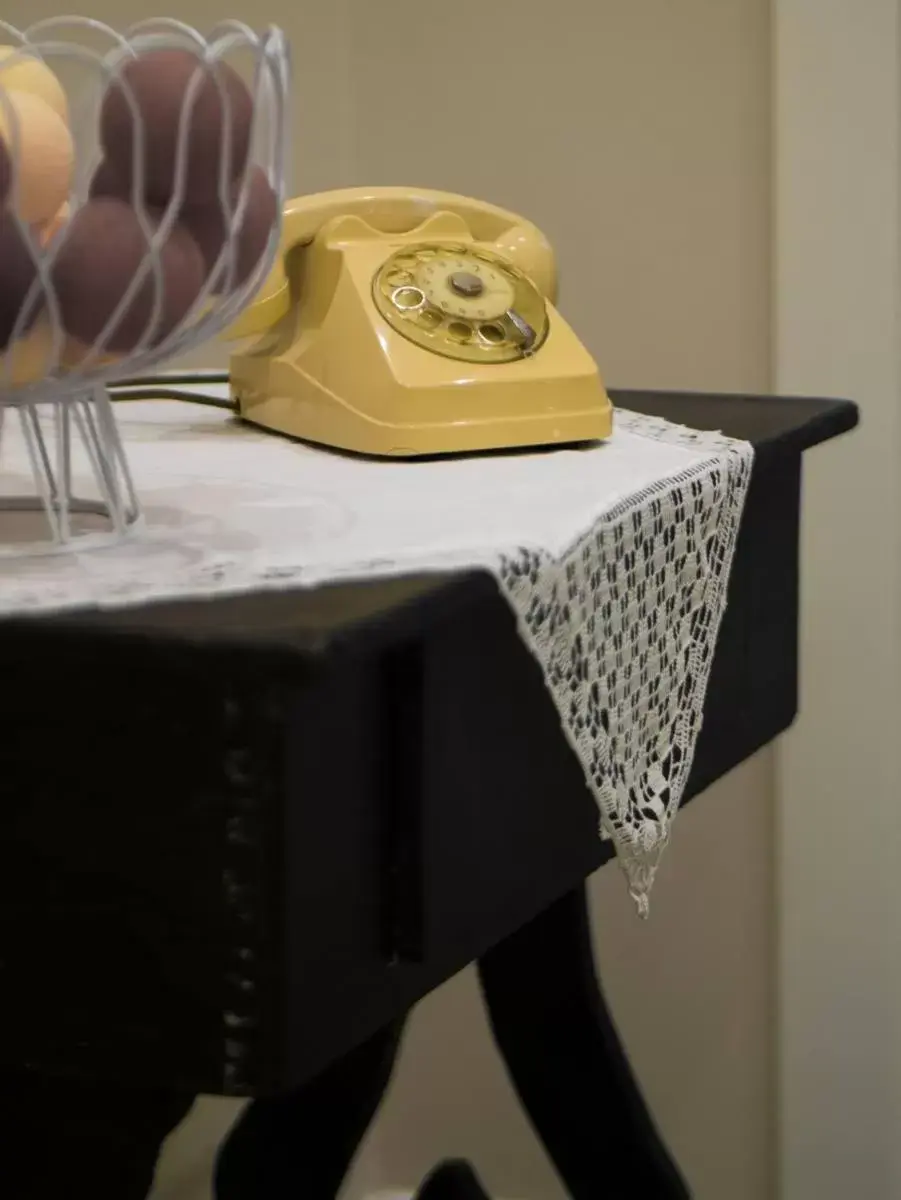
<point x="344" y="368"/>
<point x="325" y="420"/>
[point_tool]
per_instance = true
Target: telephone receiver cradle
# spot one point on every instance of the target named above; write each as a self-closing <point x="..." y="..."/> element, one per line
<point x="408" y="323"/>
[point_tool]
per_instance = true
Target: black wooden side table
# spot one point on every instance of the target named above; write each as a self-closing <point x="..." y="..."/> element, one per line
<point x="239" y="840"/>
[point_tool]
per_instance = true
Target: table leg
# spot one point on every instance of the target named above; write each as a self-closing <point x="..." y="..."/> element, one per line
<point x="566" y="1061"/>
<point x="303" y="1142"/>
<point x="65" y="1137"/>
<point x="452" y="1180"/>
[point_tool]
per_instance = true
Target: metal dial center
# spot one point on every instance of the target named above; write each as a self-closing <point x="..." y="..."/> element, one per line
<point x="465" y="283"/>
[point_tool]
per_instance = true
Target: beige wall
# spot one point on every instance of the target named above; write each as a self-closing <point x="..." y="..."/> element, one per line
<point x="637" y="134"/>
<point x="838" y="241"/>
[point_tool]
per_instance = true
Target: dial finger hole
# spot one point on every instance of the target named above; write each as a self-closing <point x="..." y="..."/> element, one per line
<point x="399" y="278"/>
<point x="492" y="333"/>
<point x="429" y="319"/>
<point x="459" y="331"/>
<point x="407" y="298"/>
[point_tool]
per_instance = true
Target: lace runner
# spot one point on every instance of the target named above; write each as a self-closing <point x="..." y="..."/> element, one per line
<point x="624" y="624"/>
<point x="615" y="559"/>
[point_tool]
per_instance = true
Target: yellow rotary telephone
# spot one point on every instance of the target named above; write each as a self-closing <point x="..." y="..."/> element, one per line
<point x="406" y="323"/>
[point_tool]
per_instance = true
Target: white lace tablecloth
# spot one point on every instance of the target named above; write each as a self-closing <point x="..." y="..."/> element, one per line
<point x="615" y="559"/>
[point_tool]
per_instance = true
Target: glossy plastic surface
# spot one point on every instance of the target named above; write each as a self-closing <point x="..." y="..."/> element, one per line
<point x="328" y="367"/>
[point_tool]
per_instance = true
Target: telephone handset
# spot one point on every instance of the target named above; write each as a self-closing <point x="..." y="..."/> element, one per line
<point x="403" y="322"/>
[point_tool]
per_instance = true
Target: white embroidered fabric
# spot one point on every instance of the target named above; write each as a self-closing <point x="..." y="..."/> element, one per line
<point x="624" y="624"/>
<point x="615" y="559"/>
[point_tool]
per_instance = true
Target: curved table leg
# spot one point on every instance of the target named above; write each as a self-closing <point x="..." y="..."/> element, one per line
<point x="63" y="1136"/>
<point x="452" y="1180"/>
<point x="303" y="1142"/>
<point x="561" y="1047"/>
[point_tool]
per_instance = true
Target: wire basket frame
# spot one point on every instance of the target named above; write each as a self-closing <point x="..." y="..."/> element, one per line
<point x="61" y="456"/>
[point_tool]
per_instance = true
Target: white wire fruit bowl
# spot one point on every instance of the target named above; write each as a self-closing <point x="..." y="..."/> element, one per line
<point x="141" y="187"/>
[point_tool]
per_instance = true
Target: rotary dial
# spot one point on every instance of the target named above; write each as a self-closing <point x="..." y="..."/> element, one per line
<point x="465" y="287"/>
<point x="463" y="302"/>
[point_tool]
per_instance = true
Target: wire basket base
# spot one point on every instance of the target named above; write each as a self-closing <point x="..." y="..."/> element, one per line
<point x="65" y="485"/>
